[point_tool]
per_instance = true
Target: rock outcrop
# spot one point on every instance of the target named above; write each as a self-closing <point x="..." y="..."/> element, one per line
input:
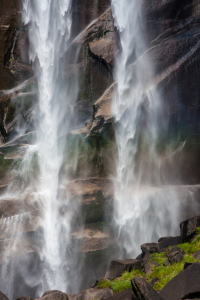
<point x="142" y="290"/>
<point x="184" y="285"/>
<point x="188" y="228"/>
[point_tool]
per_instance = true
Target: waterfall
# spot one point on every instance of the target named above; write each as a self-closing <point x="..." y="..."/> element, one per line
<point x="142" y="208"/>
<point x="49" y="25"/>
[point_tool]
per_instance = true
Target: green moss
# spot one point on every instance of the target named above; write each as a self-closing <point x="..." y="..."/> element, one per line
<point x="191" y="248"/>
<point x="165" y="274"/>
<point x="123" y="283"/>
<point x="133" y="273"/>
<point x="119" y="286"/>
<point x="159" y="257"/>
<point x="197" y="230"/>
<point x="104" y="284"/>
<point x="189" y="258"/>
<point x="162" y="273"/>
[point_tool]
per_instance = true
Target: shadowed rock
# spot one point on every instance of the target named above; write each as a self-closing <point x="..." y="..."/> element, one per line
<point x="185" y="283"/>
<point x="175" y="255"/>
<point x="3" y="297"/>
<point x="197" y="254"/>
<point x="54" y="295"/>
<point x="124" y="295"/>
<point x="142" y="290"/>
<point x="118" y="267"/>
<point x="165" y="242"/>
<point x="92" y="294"/>
<point x="149" y="248"/>
<point x="188" y="228"/>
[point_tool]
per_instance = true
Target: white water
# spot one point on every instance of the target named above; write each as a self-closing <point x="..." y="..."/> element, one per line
<point x="49" y="32"/>
<point x="143" y="212"/>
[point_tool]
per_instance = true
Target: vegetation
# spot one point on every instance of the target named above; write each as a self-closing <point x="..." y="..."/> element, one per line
<point x="123" y="283"/>
<point x="162" y="273"/>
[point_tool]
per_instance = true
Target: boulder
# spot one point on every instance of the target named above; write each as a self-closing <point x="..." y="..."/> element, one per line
<point x="165" y="242"/>
<point x="188" y="228"/>
<point x="142" y="290"/>
<point x="146" y="259"/>
<point x="175" y="257"/>
<point x="149" y="248"/>
<point x="24" y="298"/>
<point x="175" y="254"/>
<point x="54" y="295"/>
<point x="186" y="265"/>
<point x="92" y="294"/>
<point x="166" y="263"/>
<point x="153" y="281"/>
<point x="118" y="267"/>
<point x="124" y="295"/>
<point x="3" y="297"/>
<point x="197" y="254"/>
<point x="184" y="284"/>
<point x="148" y="267"/>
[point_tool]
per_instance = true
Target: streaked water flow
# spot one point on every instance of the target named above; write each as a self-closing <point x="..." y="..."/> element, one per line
<point x="141" y="209"/>
<point x="49" y="25"/>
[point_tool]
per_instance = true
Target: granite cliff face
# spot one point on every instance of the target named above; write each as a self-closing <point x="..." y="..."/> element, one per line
<point x="172" y="41"/>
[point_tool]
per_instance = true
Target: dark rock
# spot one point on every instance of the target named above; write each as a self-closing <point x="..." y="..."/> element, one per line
<point x="106" y="48"/>
<point x="164" y="238"/>
<point x="102" y="127"/>
<point x="3" y="297"/>
<point x="186" y="265"/>
<point x="92" y="294"/>
<point x="174" y="249"/>
<point x="148" y="267"/>
<point x="97" y="281"/>
<point x="118" y="267"/>
<point x="143" y="290"/>
<point x="175" y="255"/>
<point x="57" y="293"/>
<point x="188" y="228"/>
<point x="149" y="248"/>
<point x="146" y="259"/>
<point x="195" y="295"/>
<point x="153" y="281"/>
<point x="197" y="255"/>
<point x="166" y="242"/>
<point x="124" y="295"/>
<point x="23" y="298"/>
<point x="139" y="257"/>
<point x="84" y="12"/>
<point x="185" y="283"/>
<point x="166" y="263"/>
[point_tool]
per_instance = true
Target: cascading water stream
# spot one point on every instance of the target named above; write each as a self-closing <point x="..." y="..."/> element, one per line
<point x="49" y="33"/>
<point x="141" y="207"/>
